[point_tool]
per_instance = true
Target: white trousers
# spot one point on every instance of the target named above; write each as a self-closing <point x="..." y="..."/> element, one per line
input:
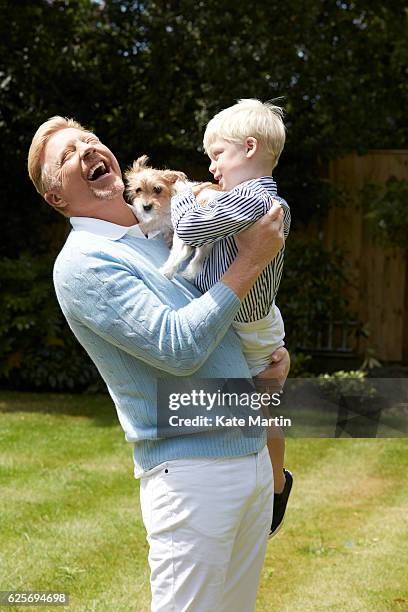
<point x="207" y="523"/>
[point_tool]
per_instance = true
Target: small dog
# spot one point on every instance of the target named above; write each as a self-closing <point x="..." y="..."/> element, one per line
<point x="149" y="192"/>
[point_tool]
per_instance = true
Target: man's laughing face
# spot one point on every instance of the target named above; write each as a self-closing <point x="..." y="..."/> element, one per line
<point x="81" y="171"/>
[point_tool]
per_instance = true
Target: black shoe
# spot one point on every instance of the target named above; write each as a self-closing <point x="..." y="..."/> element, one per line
<point x="280" y="501"/>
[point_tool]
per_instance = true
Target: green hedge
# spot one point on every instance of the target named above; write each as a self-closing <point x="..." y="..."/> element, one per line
<point x="37" y="349"/>
<point x="312" y="291"/>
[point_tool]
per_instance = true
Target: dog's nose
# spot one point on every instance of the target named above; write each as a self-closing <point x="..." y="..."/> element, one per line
<point x="147" y="207"/>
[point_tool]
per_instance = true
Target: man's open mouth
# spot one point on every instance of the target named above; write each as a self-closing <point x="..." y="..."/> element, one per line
<point x="98" y="170"/>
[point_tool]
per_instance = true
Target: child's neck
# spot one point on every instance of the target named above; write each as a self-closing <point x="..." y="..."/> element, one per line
<point x="262" y="168"/>
<point x="256" y="171"/>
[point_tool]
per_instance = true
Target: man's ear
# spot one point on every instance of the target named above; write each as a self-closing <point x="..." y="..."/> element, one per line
<point x="251" y="146"/>
<point x="54" y="199"/>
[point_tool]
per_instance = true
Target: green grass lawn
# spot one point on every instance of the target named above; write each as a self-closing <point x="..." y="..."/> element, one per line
<point x="70" y="517"/>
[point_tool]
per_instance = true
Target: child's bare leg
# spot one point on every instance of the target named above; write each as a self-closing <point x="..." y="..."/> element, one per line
<point x="270" y="381"/>
<point x="276" y="448"/>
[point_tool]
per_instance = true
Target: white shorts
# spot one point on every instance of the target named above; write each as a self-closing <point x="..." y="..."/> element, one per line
<point x="207" y="523"/>
<point x="259" y="339"/>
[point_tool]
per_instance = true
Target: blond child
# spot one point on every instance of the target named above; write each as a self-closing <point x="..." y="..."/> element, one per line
<point x="244" y="143"/>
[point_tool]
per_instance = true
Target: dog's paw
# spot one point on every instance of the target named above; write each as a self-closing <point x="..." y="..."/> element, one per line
<point x="189" y="274"/>
<point x="168" y="271"/>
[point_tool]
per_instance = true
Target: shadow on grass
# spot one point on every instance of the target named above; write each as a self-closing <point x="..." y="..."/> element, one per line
<point x="98" y="407"/>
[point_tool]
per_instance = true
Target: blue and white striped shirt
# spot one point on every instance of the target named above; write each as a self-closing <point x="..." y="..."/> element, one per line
<point x="218" y="222"/>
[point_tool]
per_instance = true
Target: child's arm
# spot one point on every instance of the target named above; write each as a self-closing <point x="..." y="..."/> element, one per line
<point x="226" y="215"/>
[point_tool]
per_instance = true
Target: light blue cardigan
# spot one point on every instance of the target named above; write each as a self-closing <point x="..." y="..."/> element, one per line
<point x="138" y="326"/>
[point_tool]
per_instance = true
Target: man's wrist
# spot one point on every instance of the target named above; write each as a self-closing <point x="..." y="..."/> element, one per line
<point x="241" y="275"/>
<point x="251" y="266"/>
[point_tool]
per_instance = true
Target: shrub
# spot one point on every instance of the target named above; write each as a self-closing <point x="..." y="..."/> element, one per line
<point x="37" y="348"/>
<point x="312" y="292"/>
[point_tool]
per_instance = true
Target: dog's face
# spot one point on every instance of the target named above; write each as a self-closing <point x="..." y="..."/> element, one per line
<point x="149" y="191"/>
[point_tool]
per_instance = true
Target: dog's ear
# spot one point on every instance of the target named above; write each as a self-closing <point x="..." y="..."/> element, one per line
<point x="140" y="163"/>
<point x="173" y="175"/>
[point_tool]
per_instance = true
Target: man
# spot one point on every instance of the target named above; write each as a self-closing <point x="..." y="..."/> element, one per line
<point x="206" y="497"/>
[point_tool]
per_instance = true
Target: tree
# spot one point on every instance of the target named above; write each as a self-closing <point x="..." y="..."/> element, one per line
<point x="147" y="76"/>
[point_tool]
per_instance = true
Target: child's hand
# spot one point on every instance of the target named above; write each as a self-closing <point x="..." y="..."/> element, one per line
<point x="272" y="379"/>
<point x="205" y="192"/>
<point x="197" y="189"/>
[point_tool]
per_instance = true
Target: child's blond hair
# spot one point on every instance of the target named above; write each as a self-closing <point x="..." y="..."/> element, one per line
<point x="249" y="117"/>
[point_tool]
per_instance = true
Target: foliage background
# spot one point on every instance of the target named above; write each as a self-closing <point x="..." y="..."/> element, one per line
<point x="146" y="76"/>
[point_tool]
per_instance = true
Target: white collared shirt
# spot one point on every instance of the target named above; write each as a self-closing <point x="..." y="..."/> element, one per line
<point x="113" y="231"/>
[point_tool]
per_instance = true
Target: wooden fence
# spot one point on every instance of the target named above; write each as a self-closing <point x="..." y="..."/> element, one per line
<point x="378" y="290"/>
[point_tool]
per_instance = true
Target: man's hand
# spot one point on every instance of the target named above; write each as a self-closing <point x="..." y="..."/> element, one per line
<point x="272" y="379"/>
<point x="261" y="242"/>
<point x="257" y="247"/>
